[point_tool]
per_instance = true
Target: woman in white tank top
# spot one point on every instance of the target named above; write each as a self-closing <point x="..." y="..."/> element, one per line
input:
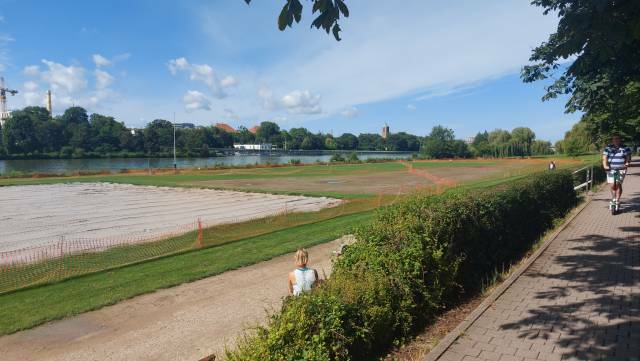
<point x="302" y="279"/>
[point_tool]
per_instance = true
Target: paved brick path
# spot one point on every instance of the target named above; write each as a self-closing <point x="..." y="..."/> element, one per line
<point x="579" y="301"/>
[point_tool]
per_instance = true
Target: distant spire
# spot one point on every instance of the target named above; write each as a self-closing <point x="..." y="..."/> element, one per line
<point x="49" y="105"/>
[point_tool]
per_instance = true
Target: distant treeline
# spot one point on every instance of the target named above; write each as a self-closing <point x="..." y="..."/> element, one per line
<point x="32" y="133"/>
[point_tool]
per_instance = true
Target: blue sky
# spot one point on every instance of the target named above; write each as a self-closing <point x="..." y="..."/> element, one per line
<point x="427" y="62"/>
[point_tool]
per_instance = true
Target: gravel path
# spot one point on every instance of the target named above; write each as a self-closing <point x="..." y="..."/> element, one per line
<point x="186" y="322"/>
<point x="32" y="215"/>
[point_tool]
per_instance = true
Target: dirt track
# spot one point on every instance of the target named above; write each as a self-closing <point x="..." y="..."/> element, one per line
<point x="186" y="322"/>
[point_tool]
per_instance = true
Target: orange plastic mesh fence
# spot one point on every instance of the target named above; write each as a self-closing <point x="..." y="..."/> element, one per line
<point x="69" y="257"/>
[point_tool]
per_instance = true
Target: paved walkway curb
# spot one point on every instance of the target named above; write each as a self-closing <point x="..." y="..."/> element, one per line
<point x="452" y="336"/>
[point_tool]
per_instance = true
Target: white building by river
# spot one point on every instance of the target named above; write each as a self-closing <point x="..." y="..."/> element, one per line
<point x="264" y="146"/>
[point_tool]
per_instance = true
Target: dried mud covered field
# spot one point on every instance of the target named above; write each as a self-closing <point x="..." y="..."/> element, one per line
<point x="36" y="214"/>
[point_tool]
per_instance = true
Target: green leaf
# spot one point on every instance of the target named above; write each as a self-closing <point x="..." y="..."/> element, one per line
<point x="336" y="32"/>
<point x="282" y="19"/>
<point x="343" y="8"/>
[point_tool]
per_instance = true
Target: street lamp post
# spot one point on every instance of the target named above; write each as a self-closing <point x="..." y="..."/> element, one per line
<point x="175" y="125"/>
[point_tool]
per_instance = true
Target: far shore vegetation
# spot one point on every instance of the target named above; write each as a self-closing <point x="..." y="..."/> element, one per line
<point x="32" y="133"/>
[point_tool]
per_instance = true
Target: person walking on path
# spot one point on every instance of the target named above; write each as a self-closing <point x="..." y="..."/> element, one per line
<point x="615" y="160"/>
<point x="302" y="279"/>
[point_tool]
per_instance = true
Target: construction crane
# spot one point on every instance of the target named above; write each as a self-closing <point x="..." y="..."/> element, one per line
<point x="4" y="114"/>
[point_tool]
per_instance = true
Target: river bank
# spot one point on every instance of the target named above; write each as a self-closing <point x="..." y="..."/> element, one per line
<point x="22" y="167"/>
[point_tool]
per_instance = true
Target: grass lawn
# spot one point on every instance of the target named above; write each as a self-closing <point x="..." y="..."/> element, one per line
<point x="452" y="164"/>
<point x="189" y="176"/>
<point x="31" y="307"/>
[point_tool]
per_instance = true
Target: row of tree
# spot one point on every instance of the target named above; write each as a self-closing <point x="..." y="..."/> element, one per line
<point x="31" y="132"/>
<point x="520" y="142"/>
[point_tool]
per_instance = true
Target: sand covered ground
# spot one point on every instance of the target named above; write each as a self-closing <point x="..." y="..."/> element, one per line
<point x="37" y="214"/>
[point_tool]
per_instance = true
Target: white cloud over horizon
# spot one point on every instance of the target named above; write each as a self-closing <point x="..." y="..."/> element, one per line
<point x="195" y="100"/>
<point x="69" y="85"/>
<point x="101" y="61"/>
<point x="204" y="74"/>
<point x="295" y="102"/>
<point x="351" y="112"/>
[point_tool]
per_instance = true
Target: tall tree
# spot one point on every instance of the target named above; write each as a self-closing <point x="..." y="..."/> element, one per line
<point x="20" y="134"/>
<point x="439" y="143"/>
<point x="370" y="141"/>
<point x="522" y="139"/>
<point x="158" y="136"/>
<point x="243" y="136"/>
<point x="3" y="150"/>
<point x="75" y="123"/>
<point x="105" y="133"/>
<point x="603" y="36"/>
<point x="480" y="145"/>
<point x="268" y="132"/>
<point x="347" y="141"/>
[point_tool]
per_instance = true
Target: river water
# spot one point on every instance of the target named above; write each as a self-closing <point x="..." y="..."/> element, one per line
<point x="60" y="166"/>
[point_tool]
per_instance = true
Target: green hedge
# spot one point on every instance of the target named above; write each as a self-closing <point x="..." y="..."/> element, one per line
<point x="417" y="257"/>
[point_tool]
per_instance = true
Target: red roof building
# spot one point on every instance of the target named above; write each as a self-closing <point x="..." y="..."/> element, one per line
<point x="254" y="130"/>
<point x="226" y="127"/>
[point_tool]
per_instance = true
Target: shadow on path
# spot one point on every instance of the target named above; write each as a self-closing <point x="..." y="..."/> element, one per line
<point x="591" y="310"/>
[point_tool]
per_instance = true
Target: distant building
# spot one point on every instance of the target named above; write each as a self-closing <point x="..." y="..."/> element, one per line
<point x="4" y="116"/>
<point x="187" y="125"/>
<point x="385" y="131"/>
<point x="254" y="129"/>
<point x="470" y="140"/>
<point x="226" y="127"/>
<point x="265" y="146"/>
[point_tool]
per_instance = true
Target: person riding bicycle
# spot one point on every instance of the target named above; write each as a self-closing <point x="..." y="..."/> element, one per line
<point x="615" y="160"/>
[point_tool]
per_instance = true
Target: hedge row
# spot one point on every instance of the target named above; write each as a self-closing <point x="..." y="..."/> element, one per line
<point x="416" y="258"/>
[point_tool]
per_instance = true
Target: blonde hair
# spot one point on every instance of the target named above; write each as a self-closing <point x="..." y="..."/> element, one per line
<point x="302" y="257"/>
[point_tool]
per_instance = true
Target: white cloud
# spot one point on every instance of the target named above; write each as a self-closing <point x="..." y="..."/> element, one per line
<point x="351" y="112"/>
<point x="228" y="81"/>
<point x="100" y="60"/>
<point x="302" y="101"/>
<point x="103" y="79"/>
<point x="69" y="85"/>
<point x="177" y="64"/>
<point x="204" y="74"/>
<point x="411" y="107"/>
<point x="296" y="102"/>
<point x="66" y="78"/>
<point x="31" y="70"/>
<point x="195" y="100"/>
<point x="30" y="86"/>
<point x="31" y="94"/>
<point x="230" y="114"/>
<point x="121" y="57"/>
